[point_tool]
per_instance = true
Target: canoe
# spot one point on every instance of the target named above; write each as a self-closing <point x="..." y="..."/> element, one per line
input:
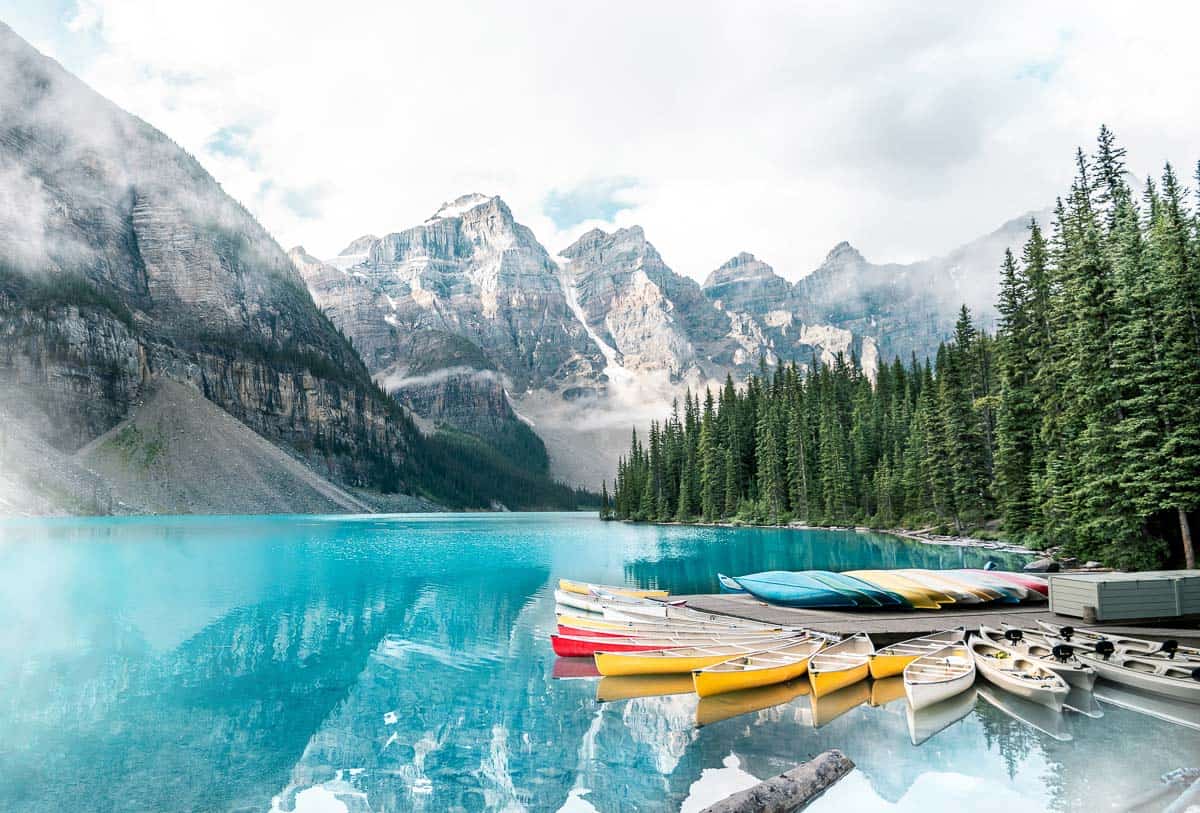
<point x="1179" y="680"/>
<point x="925" y="723"/>
<point x="729" y="584"/>
<point x="915" y="594"/>
<point x="569" y="646"/>
<point x="576" y="601"/>
<point x="885" y="597"/>
<point x="776" y="665"/>
<point x="1134" y="646"/>
<point x="670" y="612"/>
<point x="718" y="707"/>
<point x="891" y="660"/>
<point x="848" y="586"/>
<point x="938" y="676"/>
<point x="588" y="589"/>
<point x="652" y="626"/>
<point x="684" y="658"/>
<point x="961" y="592"/>
<point x="840" y="664"/>
<point x="1009" y="593"/>
<point x="1034" y="715"/>
<point x="1060" y="659"/>
<point x="795" y="589"/>
<point x="887" y="690"/>
<point x="827" y="708"/>
<point x="1026" y="589"/>
<point x="657" y="632"/>
<point x="1035" y="583"/>
<point x="1018" y="674"/>
<point x="609" y="689"/>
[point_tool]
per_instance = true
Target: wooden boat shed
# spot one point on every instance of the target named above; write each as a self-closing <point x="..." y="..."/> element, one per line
<point x="1125" y="596"/>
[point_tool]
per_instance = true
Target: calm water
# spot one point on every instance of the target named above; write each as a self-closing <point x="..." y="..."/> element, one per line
<point x="334" y="664"/>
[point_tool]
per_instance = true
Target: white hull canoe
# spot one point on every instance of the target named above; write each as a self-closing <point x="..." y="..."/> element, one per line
<point x="1074" y="671"/>
<point x="657" y="611"/>
<point x="1132" y="646"/>
<point x="576" y="601"/>
<point x="590" y="589"/>
<point x="938" y="676"/>
<point x="1019" y="675"/>
<point x="926" y="722"/>
<point x="1158" y="676"/>
<point x="960" y="592"/>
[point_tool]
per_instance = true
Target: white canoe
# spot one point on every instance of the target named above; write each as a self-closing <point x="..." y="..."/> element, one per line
<point x="924" y="723"/>
<point x="657" y="611"/>
<point x="891" y="660"/>
<point x="1134" y="646"/>
<point x="1179" y="680"/>
<point x="1018" y="674"/>
<point x="938" y="676"/>
<point x="960" y="592"/>
<point x="1065" y="664"/>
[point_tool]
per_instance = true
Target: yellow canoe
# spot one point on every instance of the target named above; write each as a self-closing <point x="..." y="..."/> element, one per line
<point x="918" y="595"/>
<point x="682" y="659"/>
<point x="720" y="707"/>
<point x="782" y="663"/>
<point x="891" y="660"/>
<point x="589" y="589"/>
<point x="631" y="686"/>
<point x="840" y="665"/>
<point x="961" y="591"/>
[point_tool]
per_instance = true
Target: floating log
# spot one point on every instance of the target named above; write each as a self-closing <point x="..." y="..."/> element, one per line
<point x="791" y="790"/>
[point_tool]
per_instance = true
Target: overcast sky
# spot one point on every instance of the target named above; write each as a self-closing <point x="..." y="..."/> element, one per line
<point x="772" y="128"/>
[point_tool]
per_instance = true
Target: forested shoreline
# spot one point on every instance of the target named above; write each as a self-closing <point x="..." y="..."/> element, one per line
<point x="1076" y="425"/>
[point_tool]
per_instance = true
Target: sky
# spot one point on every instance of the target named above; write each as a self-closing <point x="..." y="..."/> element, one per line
<point x="775" y="128"/>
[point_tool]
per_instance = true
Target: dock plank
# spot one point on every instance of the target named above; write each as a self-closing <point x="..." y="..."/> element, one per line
<point x="888" y="626"/>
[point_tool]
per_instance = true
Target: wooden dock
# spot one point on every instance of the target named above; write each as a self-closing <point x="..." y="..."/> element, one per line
<point x="888" y="626"/>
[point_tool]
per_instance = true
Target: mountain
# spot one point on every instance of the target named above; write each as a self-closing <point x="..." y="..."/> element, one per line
<point x="124" y="265"/>
<point x="910" y="308"/>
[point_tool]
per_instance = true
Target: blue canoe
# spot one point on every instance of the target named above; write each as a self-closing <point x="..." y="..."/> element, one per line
<point x="729" y="584"/>
<point x="795" y="589"/>
<point x="875" y="595"/>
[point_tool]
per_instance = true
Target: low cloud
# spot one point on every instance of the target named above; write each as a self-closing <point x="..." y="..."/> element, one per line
<point x="399" y="380"/>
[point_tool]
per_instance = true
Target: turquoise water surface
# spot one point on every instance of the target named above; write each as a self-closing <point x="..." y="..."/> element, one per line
<point x="403" y="663"/>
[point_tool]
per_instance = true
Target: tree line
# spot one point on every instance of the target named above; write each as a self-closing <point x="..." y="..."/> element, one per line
<point x="1076" y="425"/>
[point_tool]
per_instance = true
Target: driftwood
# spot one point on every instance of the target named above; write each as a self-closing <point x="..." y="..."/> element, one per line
<point x="791" y="790"/>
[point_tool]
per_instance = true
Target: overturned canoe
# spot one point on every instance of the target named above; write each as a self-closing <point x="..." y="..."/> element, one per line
<point x="776" y="665"/>
<point x="840" y="664"/>
<point x="916" y="595"/>
<point x="682" y="659"/>
<point x="729" y="584"/>
<point x="1035" y="584"/>
<point x="961" y="592"/>
<point x="938" y="676"/>
<point x="891" y="660"/>
<point x="1009" y="593"/>
<point x="588" y="589"/>
<point x="797" y="589"/>
<point x="1019" y="675"/>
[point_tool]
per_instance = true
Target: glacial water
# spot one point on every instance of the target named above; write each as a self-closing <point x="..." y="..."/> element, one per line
<point x="403" y="663"/>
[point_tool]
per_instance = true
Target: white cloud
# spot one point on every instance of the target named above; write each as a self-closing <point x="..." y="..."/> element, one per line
<point x="773" y="128"/>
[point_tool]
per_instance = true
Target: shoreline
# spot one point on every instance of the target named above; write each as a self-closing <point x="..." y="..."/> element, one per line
<point x="912" y="536"/>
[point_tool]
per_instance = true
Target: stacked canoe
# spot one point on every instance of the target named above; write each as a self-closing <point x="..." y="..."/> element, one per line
<point x="640" y="643"/>
<point x="870" y="589"/>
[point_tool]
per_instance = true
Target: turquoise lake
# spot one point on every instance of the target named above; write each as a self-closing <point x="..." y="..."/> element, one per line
<point x="403" y="663"/>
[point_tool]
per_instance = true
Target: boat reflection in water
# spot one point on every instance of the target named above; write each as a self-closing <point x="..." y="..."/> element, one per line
<point x="1162" y="708"/>
<point x="934" y="719"/>
<point x="627" y="687"/>
<point x="888" y="690"/>
<point x="1035" y="715"/>
<point x="827" y="708"/>
<point x="1082" y="701"/>
<point x="720" y="707"/>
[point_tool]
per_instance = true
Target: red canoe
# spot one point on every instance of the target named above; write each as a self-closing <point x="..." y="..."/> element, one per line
<point x="1028" y="582"/>
<point x="570" y="646"/>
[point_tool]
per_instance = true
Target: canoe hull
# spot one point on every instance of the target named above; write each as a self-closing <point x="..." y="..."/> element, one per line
<point x="886" y="666"/>
<point x="613" y="664"/>
<point x="589" y="589"/>
<point x="830" y="681"/>
<point x="708" y="684"/>
<point x="1050" y="697"/>
<point x="923" y="695"/>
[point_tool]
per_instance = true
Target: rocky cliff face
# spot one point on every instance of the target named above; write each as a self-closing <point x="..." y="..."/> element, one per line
<point x="122" y="260"/>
